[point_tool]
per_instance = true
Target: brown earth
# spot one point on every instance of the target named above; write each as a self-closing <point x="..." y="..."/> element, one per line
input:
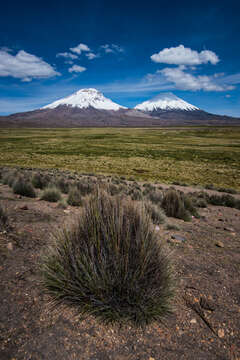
<point x="205" y="323"/>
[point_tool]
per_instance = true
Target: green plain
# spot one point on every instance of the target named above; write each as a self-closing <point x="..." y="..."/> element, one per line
<point x="188" y="155"/>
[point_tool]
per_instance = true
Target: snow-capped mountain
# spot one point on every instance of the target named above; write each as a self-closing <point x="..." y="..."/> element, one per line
<point x="165" y="101"/>
<point x="86" y="98"/>
<point x="90" y="108"/>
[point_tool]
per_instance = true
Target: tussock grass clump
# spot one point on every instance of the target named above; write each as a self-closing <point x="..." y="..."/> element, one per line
<point x="63" y="185"/>
<point x="3" y="218"/>
<point x="223" y="200"/>
<point x="74" y="197"/>
<point x="174" y="205"/>
<point x="155" y="197"/>
<point x="156" y="213"/>
<point x="9" y="177"/>
<point x="24" y="188"/>
<point x="51" y="194"/>
<point x="110" y="264"/>
<point x="40" y="181"/>
<point x="85" y="187"/>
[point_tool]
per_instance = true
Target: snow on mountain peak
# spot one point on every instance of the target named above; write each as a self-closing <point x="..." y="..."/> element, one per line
<point x="85" y="98"/>
<point x="165" y="101"/>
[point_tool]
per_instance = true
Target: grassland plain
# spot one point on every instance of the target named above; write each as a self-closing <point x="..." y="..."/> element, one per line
<point x="189" y="155"/>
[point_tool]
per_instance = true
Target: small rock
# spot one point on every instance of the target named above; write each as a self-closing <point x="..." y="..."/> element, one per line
<point x="151" y="358"/>
<point x="23" y="207"/>
<point x="229" y="229"/>
<point x="221" y="333"/>
<point x="178" y="238"/>
<point x="10" y="246"/>
<point x="193" y="321"/>
<point x="219" y="244"/>
<point x="66" y="211"/>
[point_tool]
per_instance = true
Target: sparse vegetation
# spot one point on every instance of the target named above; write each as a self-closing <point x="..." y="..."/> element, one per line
<point x="156" y="213"/>
<point x="193" y="156"/>
<point x="51" y="194"/>
<point x="110" y="264"/>
<point x="174" y="205"/>
<point x="23" y="187"/>
<point x="3" y="218"/>
<point x="74" y="197"/>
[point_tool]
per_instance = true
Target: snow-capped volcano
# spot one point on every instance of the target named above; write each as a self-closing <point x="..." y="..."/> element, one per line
<point x="165" y="101"/>
<point x="86" y="98"/>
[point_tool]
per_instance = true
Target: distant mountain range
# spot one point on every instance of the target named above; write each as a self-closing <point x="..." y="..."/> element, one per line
<point x="89" y="107"/>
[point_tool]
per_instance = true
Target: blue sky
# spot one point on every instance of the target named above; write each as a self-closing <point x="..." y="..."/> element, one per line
<point x="129" y="50"/>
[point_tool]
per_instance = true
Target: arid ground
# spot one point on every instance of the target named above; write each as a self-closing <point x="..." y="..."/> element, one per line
<point x="206" y="318"/>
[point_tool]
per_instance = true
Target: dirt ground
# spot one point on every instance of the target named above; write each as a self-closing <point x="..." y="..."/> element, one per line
<point x="206" y="321"/>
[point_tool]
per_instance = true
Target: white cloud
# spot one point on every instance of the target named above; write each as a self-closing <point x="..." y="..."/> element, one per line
<point x="79" y="48"/>
<point x="67" y="55"/>
<point x="91" y="55"/>
<point x="77" y="69"/>
<point x="186" y="81"/>
<point x="184" y="56"/>
<point x="24" y="66"/>
<point x="112" y="48"/>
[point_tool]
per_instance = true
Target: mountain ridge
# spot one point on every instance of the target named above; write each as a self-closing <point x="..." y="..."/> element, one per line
<point x="90" y="108"/>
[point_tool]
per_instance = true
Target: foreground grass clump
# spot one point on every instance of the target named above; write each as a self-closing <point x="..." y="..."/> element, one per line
<point x="110" y="264"/>
<point x="23" y="187"/>
<point x="51" y="194"/>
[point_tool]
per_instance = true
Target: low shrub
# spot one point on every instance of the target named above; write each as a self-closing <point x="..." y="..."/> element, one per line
<point x="155" y="196"/>
<point x="84" y="187"/>
<point x="3" y="218"/>
<point x="62" y="204"/>
<point x="110" y="264"/>
<point x="63" y="185"/>
<point x="40" y="181"/>
<point x="156" y="213"/>
<point x="51" y="194"/>
<point x="222" y="200"/>
<point x="74" y="197"/>
<point x="24" y="188"/>
<point x="174" y="205"/>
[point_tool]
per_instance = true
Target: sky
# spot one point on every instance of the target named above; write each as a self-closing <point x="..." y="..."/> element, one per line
<point x="129" y="50"/>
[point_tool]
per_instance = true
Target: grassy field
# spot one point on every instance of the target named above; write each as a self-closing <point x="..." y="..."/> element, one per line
<point x="187" y="155"/>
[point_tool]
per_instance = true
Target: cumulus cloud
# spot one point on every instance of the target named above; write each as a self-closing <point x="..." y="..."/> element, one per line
<point x="184" y="56"/>
<point x="91" y="55"/>
<point x="24" y="66"/>
<point x="67" y="55"/>
<point x="77" y="69"/>
<point x="186" y="81"/>
<point x="112" y="48"/>
<point x="80" y="48"/>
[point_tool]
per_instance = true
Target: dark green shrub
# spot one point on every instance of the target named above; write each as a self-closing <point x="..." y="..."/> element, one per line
<point x="156" y="213"/>
<point x="229" y="191"/>
<point x="222" y="200"/>
<point x="110" y="264"/>
<point x="74" y="197"/>
<point x="24" y="188"/>
<point x="173" y="205"/>
<point x="51" y="194"/>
